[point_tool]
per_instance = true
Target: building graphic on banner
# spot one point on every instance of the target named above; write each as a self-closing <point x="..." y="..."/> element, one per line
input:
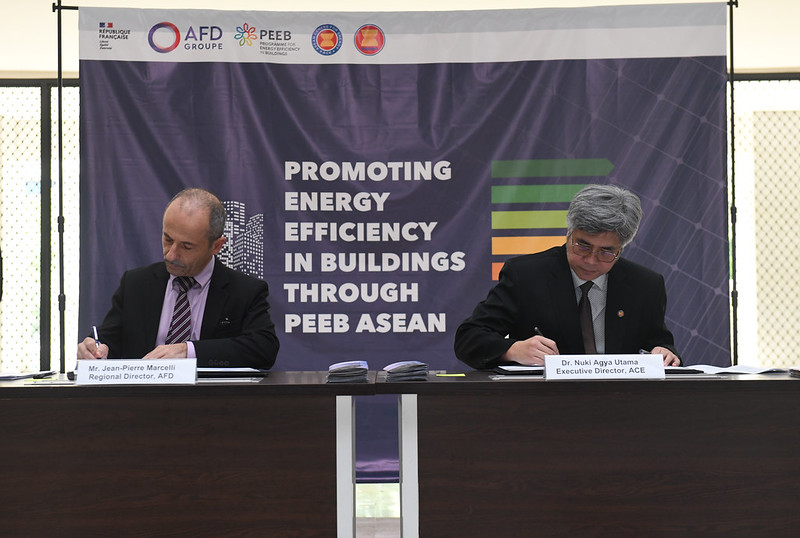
<point x="244" y="249"/>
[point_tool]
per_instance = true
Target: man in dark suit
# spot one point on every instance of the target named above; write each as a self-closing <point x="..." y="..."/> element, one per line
<point x="534" y="310"/>
<point x="224" y="314"/>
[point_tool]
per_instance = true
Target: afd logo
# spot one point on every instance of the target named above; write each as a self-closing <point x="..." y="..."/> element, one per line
<point x="165" y="37"/>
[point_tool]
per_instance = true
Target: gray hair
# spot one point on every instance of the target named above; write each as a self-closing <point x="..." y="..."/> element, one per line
<point x="200" y="198"/>
<point x="605" y="208"/>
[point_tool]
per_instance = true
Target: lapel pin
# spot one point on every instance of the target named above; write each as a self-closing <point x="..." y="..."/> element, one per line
<point x="620" y="313"/>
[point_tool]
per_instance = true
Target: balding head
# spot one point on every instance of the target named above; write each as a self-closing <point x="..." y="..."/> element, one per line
<point x="195" y="199"/>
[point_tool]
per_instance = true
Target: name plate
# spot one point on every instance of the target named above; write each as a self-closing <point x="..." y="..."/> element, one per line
<point x="136" y="372"/>
<point x="603" y="367"/>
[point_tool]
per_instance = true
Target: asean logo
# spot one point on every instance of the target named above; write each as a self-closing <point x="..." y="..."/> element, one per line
<point x="326" y="39"/>
<point x="370" y="39"/>
<point x="164" y="37"/>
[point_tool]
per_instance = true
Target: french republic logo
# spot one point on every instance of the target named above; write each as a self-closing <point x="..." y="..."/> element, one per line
<point x="107" y="35"/>
<point x="164" y="37"/>
<point x="370" y="39"/>
<point x="327" y="39"/>
<point x="245" y="34"/>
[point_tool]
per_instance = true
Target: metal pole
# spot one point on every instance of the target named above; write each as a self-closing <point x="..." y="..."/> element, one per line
<point x="62" y="300"/>
<point x="734" y="291"/>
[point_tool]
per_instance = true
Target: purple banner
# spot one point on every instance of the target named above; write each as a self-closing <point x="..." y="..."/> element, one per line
<point x="368" y="197"/>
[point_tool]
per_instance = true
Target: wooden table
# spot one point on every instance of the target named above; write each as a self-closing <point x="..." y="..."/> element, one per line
<point x="223" y="459"/>
<point x="706" y="456"/>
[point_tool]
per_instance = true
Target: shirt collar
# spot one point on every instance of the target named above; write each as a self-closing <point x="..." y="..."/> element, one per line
<point x="204" y="277"/>
<point x="600" y="282"/>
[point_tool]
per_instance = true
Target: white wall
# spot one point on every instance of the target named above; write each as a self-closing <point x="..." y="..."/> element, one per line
<point x="766" y="37"/>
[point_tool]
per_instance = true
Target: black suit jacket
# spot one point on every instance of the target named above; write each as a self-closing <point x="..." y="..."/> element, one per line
<point x="236" y="330"/>
<point x="536" y="290"/>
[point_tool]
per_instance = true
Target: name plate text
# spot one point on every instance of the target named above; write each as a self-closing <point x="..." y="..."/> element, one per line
<point x="603" y="367"/>
<point x="136" y="372"/>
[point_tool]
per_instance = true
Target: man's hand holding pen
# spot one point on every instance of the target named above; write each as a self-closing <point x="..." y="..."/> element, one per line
<point x="91" y="348"/>
<point x="531" y="352"/>
<point x="670" y="359"/>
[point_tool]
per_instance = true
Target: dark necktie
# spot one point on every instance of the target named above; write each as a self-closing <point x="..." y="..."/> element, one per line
<point x="180" y="328"/>
<point x="585" y="314"/>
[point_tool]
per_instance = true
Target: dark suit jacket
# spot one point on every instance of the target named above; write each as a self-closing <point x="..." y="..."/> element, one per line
<point x="536" y="290"/>
<point x="236" y="330"/>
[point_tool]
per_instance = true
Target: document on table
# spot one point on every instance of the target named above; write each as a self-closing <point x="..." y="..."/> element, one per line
<point x="736" y="369"/>
<point x="11" y="376"/>
<point x="518" y="369"/>
<point x="230" y="372"/>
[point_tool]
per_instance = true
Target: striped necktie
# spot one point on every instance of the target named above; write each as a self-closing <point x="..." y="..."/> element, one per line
<point x="180" y="328"/>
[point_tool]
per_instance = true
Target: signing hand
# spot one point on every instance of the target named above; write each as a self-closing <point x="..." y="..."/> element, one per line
<point x="531" y="352"/>
<point x="670" y="359"/>
<point x="88" y="349"/>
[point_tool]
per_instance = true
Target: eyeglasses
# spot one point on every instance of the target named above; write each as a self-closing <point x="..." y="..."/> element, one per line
<point x="583" y="250"/>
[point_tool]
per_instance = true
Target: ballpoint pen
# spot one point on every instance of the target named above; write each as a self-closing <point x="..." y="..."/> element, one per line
<point x="96" y="337"/>
<point x="537" y="331"/>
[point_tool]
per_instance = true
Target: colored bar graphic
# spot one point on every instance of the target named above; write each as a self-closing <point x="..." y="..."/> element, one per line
<point x="515" y="220"/>
<point x="496" y="266"/>
<point x="552" y="168"/>
<point x="536" y="221"/>
<point x="514" y="246"/>
<point x="531" y="194"/>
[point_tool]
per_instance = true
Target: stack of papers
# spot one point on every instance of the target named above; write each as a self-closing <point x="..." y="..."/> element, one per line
<point x="407" y="371"/>
<point x="348" y="372"/>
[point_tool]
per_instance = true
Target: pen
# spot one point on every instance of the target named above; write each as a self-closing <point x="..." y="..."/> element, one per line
<point x="537" y="331"/>
<point x="96" y="338"/>
<point x="643" y="352"/>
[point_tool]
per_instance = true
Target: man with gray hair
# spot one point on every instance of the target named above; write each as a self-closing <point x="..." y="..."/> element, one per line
<point x="190" y="304"/>
<point x="578" y="298"/>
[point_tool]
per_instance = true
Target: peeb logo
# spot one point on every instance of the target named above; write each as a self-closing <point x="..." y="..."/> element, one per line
<point x="245" y="34"/>
<point x="164" y="37"/>
<point x="326" y="39"/>
<point x="370" y="39"/>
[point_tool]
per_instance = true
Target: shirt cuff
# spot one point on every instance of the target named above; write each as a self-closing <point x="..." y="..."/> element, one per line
<point x="190" y="353"/>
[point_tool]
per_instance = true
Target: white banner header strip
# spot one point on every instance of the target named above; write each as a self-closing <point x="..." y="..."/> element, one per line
<point x="643" y="31"/>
